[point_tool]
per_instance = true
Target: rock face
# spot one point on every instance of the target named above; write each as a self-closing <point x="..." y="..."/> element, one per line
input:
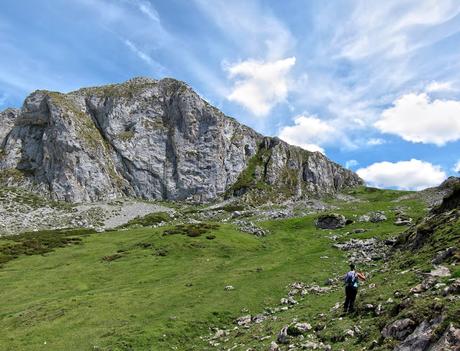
<point x="7" y="119"/>
<point x="150" y="139"/>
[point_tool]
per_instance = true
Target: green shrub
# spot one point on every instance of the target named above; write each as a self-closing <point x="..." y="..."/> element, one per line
<point x="39" y="243"/>
<point x="191" y="230"/>
<point x="148" y="220"/>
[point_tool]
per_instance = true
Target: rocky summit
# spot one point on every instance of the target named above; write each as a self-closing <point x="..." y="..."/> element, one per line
<point x="151" y="139"/>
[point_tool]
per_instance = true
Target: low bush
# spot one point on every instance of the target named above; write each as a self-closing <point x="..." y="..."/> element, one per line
<point x="39" y="243"/>
<point x="191" y="230"/>
<point x="148" y="220"/>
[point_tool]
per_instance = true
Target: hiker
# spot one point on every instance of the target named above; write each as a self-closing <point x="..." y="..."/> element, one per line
<point x="351" y="288"/>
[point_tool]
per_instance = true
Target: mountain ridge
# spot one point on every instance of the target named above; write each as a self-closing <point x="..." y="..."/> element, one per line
<point x="151" y="139"/>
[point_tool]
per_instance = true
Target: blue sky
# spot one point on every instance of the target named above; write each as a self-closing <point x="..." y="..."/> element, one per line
<point x="375" y="85"/>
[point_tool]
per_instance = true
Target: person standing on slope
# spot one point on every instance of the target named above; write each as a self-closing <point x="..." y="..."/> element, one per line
<point x="351" y="288"/>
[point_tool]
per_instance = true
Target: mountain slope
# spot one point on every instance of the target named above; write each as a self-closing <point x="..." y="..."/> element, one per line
<point x="150" y="139"/>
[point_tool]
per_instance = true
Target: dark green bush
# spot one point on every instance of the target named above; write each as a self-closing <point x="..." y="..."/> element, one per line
<point x="147" y="220"/>
<point x="191" y="230"/>
<point x="39" y="243"/>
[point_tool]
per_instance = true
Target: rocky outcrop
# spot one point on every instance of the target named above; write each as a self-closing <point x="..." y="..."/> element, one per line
<point x="154" y="140"/>
<point x="7" y="119"/>
<point x="445" y="212"/>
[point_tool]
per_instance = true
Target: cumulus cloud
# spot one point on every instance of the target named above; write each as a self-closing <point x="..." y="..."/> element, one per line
<point x="309" y="132"/>
<point x="405" y="175"/>
<point x="415" y="118"/>
<point x="439" y="86"/>
<point x="351" y="163"/>
<point x="457" y="167"/>
<point x="260" y="85"/>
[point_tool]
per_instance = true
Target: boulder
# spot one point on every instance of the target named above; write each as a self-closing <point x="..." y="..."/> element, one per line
<point x="419" y="340"/>
<point x="378" y="216"/>
<point x="273" y="346"/>
<point x="283" y="337"/>
<point x="288" y="301"/>
<point x="298" y="329"/>
<point x="399" y="329"/>
<point x="401" y="221"/>
<point x="450" y="340"/>
<point x="443" y="255"/>
<point x="453" y="288"/>
<point x="364" y="218"/>
<point x="330" y="221"/>
<point x="440" y="271"/>
<point x="259" y="318"/>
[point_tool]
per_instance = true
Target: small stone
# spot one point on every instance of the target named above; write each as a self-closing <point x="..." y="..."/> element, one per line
<point x="244" y="320"/>
<point x="259" y="318"/>
<point x="369" y="307"/>
<point x="359" y="231"/>
<point x="219" y="334"/>
<point x="302" y="327"/>
<point x="350" y="333"/>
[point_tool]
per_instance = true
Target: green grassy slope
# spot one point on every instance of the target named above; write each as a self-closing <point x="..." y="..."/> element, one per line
<point x="141" y="290"/>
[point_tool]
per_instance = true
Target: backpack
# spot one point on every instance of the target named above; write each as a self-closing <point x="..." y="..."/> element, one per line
<point x="351" y="280"/>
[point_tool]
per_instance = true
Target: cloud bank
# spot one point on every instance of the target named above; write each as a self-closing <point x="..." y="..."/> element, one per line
<point x="404" y="175"/>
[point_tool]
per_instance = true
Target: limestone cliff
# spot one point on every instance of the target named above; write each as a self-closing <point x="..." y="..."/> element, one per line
<point x="153" y="139"/>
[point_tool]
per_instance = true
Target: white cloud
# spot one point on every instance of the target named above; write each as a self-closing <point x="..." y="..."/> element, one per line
<point x="258" y="79"/>
<point x="417" y="119"/>
<point x="351" y="163"/>
<point x="375" y="141"/>
<point x="143" y="56"/>
<point x="255" y="30"/>
<point x="457" y="167"/>
<point x="404" y="175"/>
<point x="147" y="9"/>
<point x="370" y="33"/>
<point x="310" y="133"/>
<point x="260" y="85"/>
<point x="439" y="86"/>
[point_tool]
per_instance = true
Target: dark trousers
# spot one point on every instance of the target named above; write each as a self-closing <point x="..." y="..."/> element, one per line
<point x="350" y="297"/>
